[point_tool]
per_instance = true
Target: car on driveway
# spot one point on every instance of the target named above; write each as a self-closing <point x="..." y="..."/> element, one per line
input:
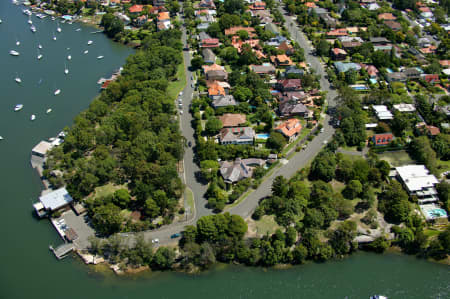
<point x="155" y="241"/>
<point x="189" y="144"/>
<point x="174" y="236"/>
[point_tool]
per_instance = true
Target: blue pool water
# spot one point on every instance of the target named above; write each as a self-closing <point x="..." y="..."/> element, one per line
<point x="360" y="87"/>
<point x="389" y="70"/>
<point x="262" y="136"/>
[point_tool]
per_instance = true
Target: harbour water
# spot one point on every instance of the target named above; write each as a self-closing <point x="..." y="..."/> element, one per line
<point x="29" y="270"/>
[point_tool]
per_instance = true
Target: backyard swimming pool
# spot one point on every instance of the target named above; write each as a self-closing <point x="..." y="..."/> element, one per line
<point x="262" y="136"/>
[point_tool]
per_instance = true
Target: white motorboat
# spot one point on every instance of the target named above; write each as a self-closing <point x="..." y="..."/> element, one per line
<point x="85" y="52"/>
<point x="57" y="92"/>
<point x="90" y="42"/>
<point x="58" y="29"/>
<point x="33" y="117"/>
<point x="100" y="57"/>
<point x="18" y="107"/>
<point x="40" y="46"/>
<point x="17" y="43"/>
<point x="30" y="21"/>
<point x="1" y="21"/>
<point x="78" y="29"/>
<point x="14" y="53"/>
<point x="1" y="138"/>
<point x="39" y="57"/>
<point x="54" y="37"/>
<point x="18" y="80"/>
<point x="27" y="12"/>
<point x="66" y="70"/>
<point x="33" y="28"/>
<point x="69" y="57"/>
<point x="48" y="110"/>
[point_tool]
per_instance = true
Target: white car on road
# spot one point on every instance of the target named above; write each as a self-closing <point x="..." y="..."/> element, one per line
<point x="155" y="241"/>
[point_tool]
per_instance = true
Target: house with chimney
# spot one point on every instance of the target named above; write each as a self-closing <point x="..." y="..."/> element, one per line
<point x="233" y="172"/>
<point x="239" y="135"/>
<point x="290" y="129"/>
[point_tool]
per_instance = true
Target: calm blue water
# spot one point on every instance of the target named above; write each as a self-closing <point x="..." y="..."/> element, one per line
<point x="262" y="136"/>
<point x="29" y="270"/>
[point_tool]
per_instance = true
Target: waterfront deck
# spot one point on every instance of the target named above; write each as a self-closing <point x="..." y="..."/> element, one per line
<point x="63" y="250"/>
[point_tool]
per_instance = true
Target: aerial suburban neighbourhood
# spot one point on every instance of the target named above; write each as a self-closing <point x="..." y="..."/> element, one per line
<point x="256" y="132"/>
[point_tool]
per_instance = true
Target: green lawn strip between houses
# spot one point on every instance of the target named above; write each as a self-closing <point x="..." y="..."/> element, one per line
<point x="175" y="87"/>
<point x="189" y="197"/>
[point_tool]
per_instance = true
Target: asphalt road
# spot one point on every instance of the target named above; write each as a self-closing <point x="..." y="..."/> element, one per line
<point x="298" y="161"/>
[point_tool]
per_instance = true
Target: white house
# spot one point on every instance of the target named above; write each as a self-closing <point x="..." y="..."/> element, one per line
<point x="418" y="181"/>
<point x="52" y="201"/>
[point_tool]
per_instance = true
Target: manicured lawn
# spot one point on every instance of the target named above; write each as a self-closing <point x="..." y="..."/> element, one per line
<point x="106" y="190"/>
<point x="266" y="224"/>
<point x="190" y="200"/>
<point x="443" y="165"/>
<point x="175" y="87"/>
<point x="398" y="158"/>
<point x="349" y="148"/>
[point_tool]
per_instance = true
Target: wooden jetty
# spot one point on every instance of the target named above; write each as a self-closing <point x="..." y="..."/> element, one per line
<point x="63" y="250"/>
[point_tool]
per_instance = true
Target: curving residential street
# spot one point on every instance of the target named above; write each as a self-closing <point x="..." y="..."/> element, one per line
<point x="297" y="161"/>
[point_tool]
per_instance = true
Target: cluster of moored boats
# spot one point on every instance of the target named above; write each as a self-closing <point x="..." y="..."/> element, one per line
<point x="15" y="52"/>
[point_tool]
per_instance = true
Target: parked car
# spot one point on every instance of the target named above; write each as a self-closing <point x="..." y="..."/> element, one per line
<point x="181" y="112"/>
<point x="155" y="241"/>
<point x="181" y="93"/>
<point x="322" y="130"/>
<point x="174" y="236"/>
<point x="189" y="144"/>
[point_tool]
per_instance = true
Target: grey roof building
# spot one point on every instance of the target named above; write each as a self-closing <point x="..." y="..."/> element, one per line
<point x="263" y="69"/>
<point x="292" y="108"/>
<point x="342" y="67"/>
<point x="239" y="135"/>
<point x="233" y="172"/>
<point x="271" y="27"/>
<point x="224" y="101"/>
<point x="203" y="35"/>
<point x="208" y="56"/>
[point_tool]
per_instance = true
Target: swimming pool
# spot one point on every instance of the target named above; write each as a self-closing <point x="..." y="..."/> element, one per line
<point x="262" y="136"/>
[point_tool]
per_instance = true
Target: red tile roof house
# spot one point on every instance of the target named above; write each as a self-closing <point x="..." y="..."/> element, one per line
<point x="387" y="16"/>
<point x="395" y="26"/>
<point x="337" y="32"/>
<point x="234" y="30"/>
<point x="210" y="43"/>
<point x="290" y="128"/>
<point x="286" y="48"/>
<point x="431" y="78"/>
<point x="232" y="120"/>
<point x="258" y="5"/>
<point x="444" y="63"/>
<point x="289" y="85"/>
<point x="281" y="60"/>
<point x="136" y="9"/>
<point x="432" y="130"/>
<point x="382" y="139"/>
<point x="371" y="70"/>
<point x="338" y="54"/>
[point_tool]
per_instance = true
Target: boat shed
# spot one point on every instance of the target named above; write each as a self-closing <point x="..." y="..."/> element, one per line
<point x="41" y="149"/>
<point x="53" y="201"/>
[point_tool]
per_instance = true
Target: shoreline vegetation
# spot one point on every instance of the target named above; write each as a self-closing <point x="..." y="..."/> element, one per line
<point x="129" y="136"/>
